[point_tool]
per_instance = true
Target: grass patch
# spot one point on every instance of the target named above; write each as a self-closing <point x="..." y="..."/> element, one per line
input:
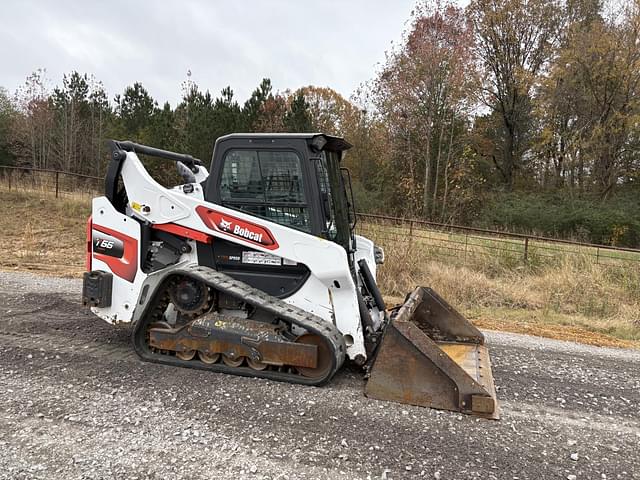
<point x="42" y="233"/>
<point x="569" y="298"/>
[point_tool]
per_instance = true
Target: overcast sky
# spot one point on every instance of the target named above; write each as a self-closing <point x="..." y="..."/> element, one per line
<point x="237" y="43"/>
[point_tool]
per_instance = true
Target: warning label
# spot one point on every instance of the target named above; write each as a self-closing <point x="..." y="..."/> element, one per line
<point x="261" y="258"/>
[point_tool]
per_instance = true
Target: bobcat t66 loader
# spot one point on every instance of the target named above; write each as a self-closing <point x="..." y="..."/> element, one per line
<point x="254" y="269"/>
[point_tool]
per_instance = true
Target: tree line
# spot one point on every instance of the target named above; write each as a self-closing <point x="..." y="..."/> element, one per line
<point x="479" y="115"/>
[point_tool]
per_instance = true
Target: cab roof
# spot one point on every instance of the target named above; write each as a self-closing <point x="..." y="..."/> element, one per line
<point x="317" y="141"/>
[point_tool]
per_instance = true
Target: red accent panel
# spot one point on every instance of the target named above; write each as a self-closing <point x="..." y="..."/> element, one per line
<point x="237" y="228"/>
<point x="183" y="232"/>
<point x="127" y="266"/>
<point x="89" y="243"/>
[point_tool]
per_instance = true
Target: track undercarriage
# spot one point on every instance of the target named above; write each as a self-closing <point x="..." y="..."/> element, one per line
<point x="187" y="322"/>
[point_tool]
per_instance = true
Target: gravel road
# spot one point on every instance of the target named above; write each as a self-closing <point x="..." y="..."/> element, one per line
<point x="77" y="403"/>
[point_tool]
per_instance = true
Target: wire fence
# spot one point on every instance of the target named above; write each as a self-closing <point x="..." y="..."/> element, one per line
<point x="465" y="244"/>
<point x="456" y="243"/>
<point x="58" y="183"/>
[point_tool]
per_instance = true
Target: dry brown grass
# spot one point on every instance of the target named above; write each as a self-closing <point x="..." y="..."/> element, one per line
<point x="574" y="299"/>
<point x="41" y="233"/>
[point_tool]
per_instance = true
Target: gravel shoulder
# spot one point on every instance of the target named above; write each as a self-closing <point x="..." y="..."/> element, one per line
<point x="77" y="403"/>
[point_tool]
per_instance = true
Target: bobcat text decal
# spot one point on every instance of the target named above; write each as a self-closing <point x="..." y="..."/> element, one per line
<point x="236" y="227"/>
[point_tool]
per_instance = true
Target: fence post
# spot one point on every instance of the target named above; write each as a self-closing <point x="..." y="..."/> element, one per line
<point x="597" y="255"/>
<point x="466" y="243"/>
<point x="410" y="230"/>
<point x="526" y="248"/>
<point x="10" y="172"/>
<point x="57" y="175"/>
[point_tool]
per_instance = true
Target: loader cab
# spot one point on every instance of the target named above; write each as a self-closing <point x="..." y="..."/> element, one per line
<point x="291" y="179"/>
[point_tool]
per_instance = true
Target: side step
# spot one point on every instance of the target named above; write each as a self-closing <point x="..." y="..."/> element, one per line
<point x="432" y="356"/>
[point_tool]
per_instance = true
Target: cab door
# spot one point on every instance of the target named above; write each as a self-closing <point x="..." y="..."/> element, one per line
<point x="270" y="182"/>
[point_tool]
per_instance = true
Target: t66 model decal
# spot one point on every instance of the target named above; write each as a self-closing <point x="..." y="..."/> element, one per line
<point x="117" y="250"/>
<point x="236" y="227"/>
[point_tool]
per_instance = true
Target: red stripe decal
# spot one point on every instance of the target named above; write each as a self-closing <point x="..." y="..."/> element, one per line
<point x="125" y="266"/>
<point x="183" y="232"/>
<point x="237" y="228"/>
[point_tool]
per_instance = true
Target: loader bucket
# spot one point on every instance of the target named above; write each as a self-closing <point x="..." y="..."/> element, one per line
<point x="432" y="356"/>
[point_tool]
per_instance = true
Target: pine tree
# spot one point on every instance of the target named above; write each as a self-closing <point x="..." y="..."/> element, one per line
<point x="298" y="118"/>
<point x="134" y="110"/>
<point x="7" y="116"/>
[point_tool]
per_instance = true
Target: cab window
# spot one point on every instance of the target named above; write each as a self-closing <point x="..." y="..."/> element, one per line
<point x="266" y="183"/>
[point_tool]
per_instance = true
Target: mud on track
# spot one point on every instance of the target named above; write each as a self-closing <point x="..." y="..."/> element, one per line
<point x="77" y="403"/>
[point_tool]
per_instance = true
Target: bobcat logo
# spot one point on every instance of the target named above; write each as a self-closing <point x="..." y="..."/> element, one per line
<point x="224" y="225"/>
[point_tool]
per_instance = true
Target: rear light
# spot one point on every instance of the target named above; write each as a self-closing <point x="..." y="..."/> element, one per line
<point x="89" y="242"/>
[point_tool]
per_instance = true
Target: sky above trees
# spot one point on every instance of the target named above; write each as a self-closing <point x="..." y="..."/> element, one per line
<point x="222" y="42"/>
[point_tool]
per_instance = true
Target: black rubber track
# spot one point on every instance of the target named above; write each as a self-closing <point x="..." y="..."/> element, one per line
<point x="157" y="300"/>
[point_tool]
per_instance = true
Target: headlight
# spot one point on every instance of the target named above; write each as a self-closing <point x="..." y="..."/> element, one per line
<point x="378" y="255"/>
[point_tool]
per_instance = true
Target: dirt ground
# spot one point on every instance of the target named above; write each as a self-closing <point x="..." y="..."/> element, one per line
<point x="78" y="404"/>
<point x="542" y="329"/>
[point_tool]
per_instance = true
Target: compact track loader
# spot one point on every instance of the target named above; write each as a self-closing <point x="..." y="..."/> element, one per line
<point x="254" y="269"/>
